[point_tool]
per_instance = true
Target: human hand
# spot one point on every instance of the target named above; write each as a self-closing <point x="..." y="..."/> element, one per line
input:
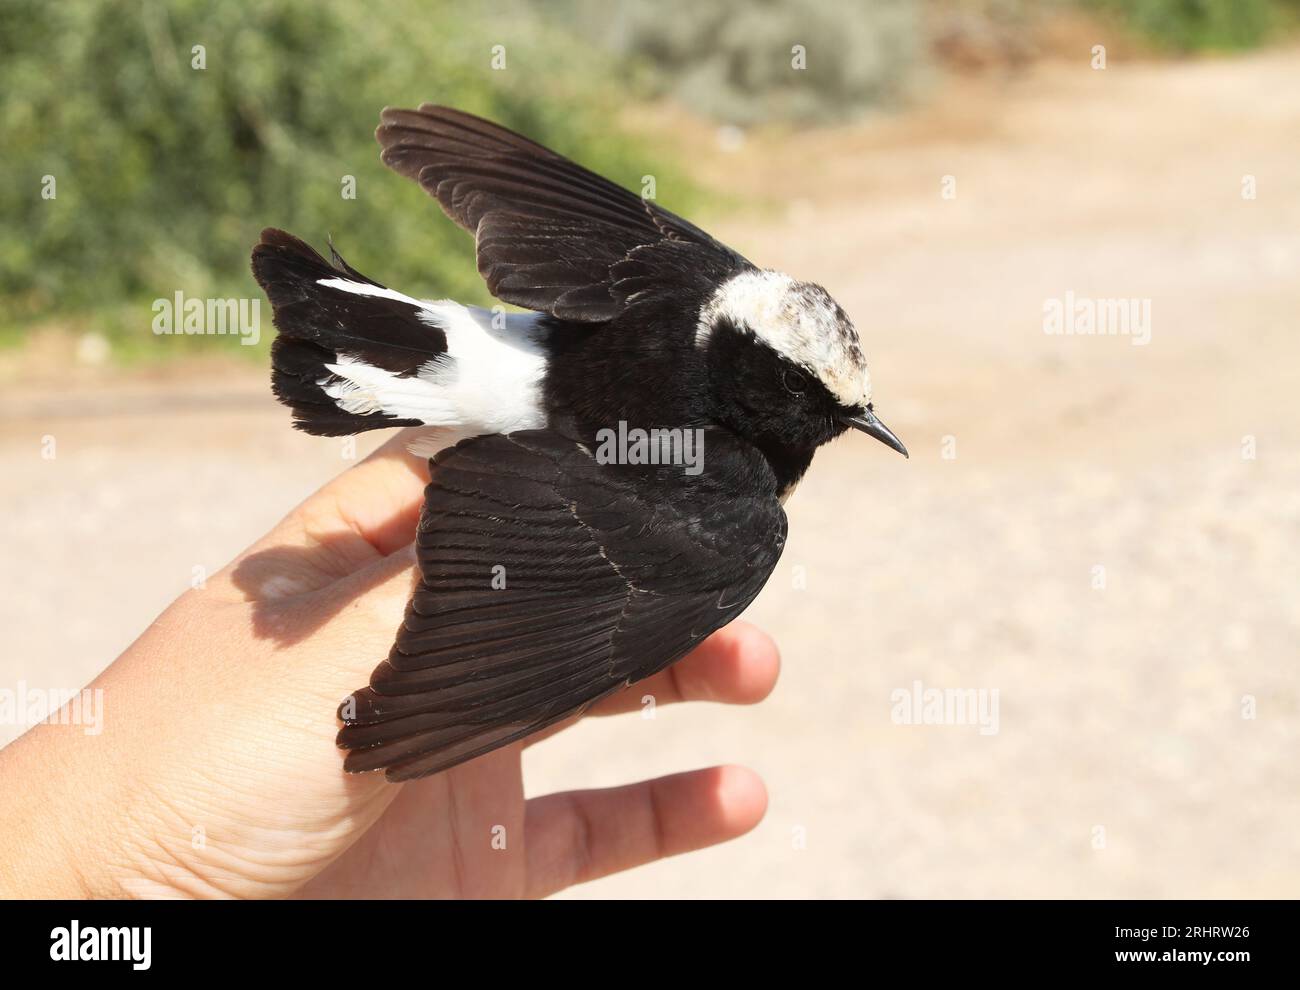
<point x="217" y="773"/>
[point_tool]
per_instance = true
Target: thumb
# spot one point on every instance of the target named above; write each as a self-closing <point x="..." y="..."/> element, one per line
<point x="366" y="610"/>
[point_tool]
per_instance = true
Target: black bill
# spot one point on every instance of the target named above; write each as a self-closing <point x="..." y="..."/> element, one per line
<point x="869" y="423"/>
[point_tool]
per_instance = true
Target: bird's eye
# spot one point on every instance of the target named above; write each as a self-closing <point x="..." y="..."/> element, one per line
<point x="794" y="382"/>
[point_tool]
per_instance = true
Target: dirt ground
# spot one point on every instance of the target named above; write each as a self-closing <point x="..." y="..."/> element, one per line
<point x="1082" y="526"/>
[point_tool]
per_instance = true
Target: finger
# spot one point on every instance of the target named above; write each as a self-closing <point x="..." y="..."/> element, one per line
<point x="737" y="665"/>
<point x="579" y="836"/>
<point x="380" y="498"/>
<point x="376" y="596"/>
<point x="377" y="500"/>
<point x="368" y="511"/>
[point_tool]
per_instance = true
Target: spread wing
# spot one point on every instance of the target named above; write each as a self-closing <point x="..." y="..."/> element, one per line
<point x="550" y="235"/>
<point x="547" y="583"/>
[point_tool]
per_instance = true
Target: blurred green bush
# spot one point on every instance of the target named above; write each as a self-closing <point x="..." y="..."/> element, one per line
<point x="1203" y="25"/>
<point x="165" y="173"/>
<point x="733" y="59"/>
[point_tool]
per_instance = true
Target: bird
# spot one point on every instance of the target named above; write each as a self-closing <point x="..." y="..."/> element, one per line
<point x="549" y="576"/>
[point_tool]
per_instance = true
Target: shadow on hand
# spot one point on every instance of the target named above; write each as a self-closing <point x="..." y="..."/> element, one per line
<point x="291" y="593"/>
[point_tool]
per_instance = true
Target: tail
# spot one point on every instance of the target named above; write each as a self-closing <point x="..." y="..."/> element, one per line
<point x="346" y="345"/>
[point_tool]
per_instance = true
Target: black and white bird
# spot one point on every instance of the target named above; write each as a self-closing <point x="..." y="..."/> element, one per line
<point x="551" y="577"/>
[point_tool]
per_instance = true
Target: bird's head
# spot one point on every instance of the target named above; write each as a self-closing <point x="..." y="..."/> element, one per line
<point x="786" y="367"/>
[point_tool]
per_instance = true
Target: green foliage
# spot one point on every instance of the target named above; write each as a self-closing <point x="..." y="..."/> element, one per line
<point x="166" y="173"/>
<point x="1203" y="25"/>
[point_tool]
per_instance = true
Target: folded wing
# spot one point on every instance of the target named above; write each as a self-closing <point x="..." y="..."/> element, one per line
<point x="547" y="583"/>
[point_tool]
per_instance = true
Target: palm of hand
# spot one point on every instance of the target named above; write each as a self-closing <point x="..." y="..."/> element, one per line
<point x="305" y="613"/>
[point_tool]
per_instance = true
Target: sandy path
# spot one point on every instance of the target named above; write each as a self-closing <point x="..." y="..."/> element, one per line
<point x="1118" y="707"/>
